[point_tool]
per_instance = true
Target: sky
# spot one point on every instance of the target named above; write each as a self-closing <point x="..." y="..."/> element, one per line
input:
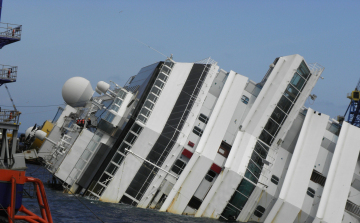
<point x="98" y="40"/>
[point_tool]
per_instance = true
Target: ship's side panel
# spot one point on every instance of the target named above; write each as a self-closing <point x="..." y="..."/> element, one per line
<point x="46" y="148"/>
<point x="98" y="147"/>
<point x="208" y="146"/>
<point x="148" y="136"/>
<point x="241" y="155"/>
<point x="202" y="108"/>
<point x="67" y="110"/>
<point x="74" y="154"/>
<point x="216" y="199"/>
<point x="293" y="191"/>
<point x="340" y="175"/>
<point x="301" y="82"/>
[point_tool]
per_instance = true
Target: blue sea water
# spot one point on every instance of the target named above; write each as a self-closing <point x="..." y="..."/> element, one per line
<point x="66" y="208"/>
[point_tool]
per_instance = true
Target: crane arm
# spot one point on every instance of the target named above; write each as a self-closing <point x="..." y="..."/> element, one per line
<point x="7" y="89"/>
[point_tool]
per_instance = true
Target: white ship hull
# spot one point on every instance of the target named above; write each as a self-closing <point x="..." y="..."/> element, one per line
<point x="211" y="143"/>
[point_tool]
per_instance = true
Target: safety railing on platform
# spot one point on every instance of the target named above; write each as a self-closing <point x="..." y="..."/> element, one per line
<point x="8" y="72"/>
<point x="10" y="117"/>
<point x="10" y="30"/>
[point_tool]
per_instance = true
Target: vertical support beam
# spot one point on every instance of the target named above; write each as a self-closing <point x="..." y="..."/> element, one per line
<point x="0" y="9"/>
<point x="208" y="145"/>
<point x="296" y="181"/>
<point x="6" y="146"/>
<point x="3" y="147"/>
<point x="338" y="182"/>
<point x="13" y="145"/>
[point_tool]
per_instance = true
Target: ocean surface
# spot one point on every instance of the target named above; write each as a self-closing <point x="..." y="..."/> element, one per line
<point x="67" y="208"/>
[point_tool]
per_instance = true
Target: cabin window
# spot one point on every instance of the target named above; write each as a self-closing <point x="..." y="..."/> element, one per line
<point x="245" y="99"/>
<point x="298" y="81"/>
<point x="317" y="177"/>
<point x="224" y="149"/>
<point x="136" y="128"/>
<point x="203" y="118"/>
<point x="145" y="112"/>
<point x="195" y="203"/>
<point x="163" y="77"/>
<point x="169" y="63"/>
<point x="198" y="131"/>
<point x="149" y="104"/>
<point x="178" y="167"/>
<point x="122" y="147"/>
<point x="118" y="101"/>
<point x="284" y="104"/>
<point x="221" y="151"/>
<point x="275" y="179"/>
<point x="210" y="176"/>
<point x="156" y="91"/>
<point x="115" y="108"/>
<point x="152" y="98"/>
<point x="334" y="128"/>
<point x="121" y="94"/>
<point x="271" y="127"/>
<point x="303" y="70"/>
<point x="310" y="192"/>
<point x="130" y="138"/>
<point x="109" y="117"/>
<point x="278" y="116"/>
<point x="259" y="211"/>
<point x="291" y="93"/>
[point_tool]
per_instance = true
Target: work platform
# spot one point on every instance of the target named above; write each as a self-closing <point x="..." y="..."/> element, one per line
<point x="8" y="74"/>
<point x="9" y="119"/>
<point x="9" y="33"/>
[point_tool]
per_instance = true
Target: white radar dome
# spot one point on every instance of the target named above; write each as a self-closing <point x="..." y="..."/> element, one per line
<point x="77" y="91"/>
<point x="40" y="134"/>
<point x="28" y="132"/>
<point x="98" y="91"/>
<point x="102" y="86"/>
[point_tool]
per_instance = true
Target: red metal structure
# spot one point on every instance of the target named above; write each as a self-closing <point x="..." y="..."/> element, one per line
<point x="16" y="180"/>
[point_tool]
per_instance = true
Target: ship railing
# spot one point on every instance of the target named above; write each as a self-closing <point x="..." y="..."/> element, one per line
<point x="352" y="208"/>
<point x="208" y="60"/>
<point x="8" y="72"/>
<point x="316" y="69"/>
<point x="12" y="31"/>
<point x="9" y="116"/>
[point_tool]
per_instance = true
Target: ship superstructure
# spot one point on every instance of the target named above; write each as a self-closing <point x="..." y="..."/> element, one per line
<point x="193" y="139"/>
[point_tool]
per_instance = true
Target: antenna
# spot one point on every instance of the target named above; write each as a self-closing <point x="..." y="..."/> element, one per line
<point x="170" y="58"/>
<point x="114" y="83"/>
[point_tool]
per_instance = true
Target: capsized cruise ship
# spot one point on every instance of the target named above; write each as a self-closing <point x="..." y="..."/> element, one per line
<point x="194" y="139"/>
